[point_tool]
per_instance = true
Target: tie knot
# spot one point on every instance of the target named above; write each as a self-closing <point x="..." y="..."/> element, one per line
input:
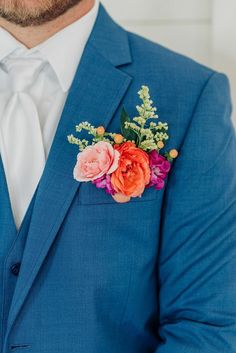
<point x="23" y="71"/>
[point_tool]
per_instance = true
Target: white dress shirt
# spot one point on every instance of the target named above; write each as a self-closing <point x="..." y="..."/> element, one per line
<point x="61" y="54"/>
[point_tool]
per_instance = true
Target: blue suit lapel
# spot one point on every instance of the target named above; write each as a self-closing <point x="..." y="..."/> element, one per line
<point x="95" y="94"/>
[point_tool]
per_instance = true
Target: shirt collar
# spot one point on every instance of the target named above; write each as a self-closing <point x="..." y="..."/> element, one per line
<point x="8" y="44"/>
<point x="63" y="50"/>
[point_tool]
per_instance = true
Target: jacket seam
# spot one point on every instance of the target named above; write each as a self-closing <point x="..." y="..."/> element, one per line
<point x="205" y="85"/>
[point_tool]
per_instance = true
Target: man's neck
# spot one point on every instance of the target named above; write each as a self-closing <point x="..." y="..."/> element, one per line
<point x="34" y="35"/>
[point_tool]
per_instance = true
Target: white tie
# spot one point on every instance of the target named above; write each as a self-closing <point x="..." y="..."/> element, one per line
<point x="21" y="146"/>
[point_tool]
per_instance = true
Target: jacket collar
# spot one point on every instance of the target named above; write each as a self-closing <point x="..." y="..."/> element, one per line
<point x="110" y="40"/>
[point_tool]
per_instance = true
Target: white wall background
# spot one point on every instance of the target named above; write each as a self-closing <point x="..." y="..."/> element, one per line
<point x="202" y="29"/>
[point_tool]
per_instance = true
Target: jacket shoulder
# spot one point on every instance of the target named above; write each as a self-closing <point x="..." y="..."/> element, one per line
<point x="157" y="58"/>
<point x="176" y="82"/>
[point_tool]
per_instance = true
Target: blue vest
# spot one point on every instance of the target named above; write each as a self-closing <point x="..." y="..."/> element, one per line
<point x="12" y="244"/>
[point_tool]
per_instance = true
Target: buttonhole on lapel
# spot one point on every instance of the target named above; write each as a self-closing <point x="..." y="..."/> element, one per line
<point x="19" y="346"/>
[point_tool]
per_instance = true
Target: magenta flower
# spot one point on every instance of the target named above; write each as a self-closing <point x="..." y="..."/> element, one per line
<point x="104" y="182"/>
<point x="160" y="168"/>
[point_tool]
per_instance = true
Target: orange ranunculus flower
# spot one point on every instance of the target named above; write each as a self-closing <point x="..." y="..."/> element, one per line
<point x="133" y="172"/>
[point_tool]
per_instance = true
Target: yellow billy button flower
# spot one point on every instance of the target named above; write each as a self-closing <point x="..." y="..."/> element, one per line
<point x="160" y="144"/>
<point x="100" y="131"/>
<point x="173" y="153"/>
<point x="118" y="138"/>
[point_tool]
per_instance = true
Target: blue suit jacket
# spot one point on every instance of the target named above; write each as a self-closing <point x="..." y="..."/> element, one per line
<point x="157" y="274"/>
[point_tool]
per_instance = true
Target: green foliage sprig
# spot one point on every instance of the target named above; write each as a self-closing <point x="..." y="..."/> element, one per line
<point x="143" y="130"/>
<point x="106" y="136"/>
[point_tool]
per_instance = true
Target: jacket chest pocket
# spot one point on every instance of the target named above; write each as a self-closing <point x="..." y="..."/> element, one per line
<point x="89" y="194"/>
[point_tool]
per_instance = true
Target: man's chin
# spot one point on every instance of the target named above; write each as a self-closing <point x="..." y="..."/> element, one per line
<point x="27" y="13"/>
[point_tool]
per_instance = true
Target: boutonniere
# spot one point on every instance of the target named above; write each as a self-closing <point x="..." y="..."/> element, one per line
<point x="125" y="163"/>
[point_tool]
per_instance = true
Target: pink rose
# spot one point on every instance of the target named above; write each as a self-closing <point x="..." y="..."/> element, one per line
<point x="95" y="161"/>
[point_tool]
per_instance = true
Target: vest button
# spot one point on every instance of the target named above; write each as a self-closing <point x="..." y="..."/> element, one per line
<point x="15" y="269"/>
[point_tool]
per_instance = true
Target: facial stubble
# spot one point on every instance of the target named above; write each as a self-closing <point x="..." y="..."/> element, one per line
<point x="24" y="14"/>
